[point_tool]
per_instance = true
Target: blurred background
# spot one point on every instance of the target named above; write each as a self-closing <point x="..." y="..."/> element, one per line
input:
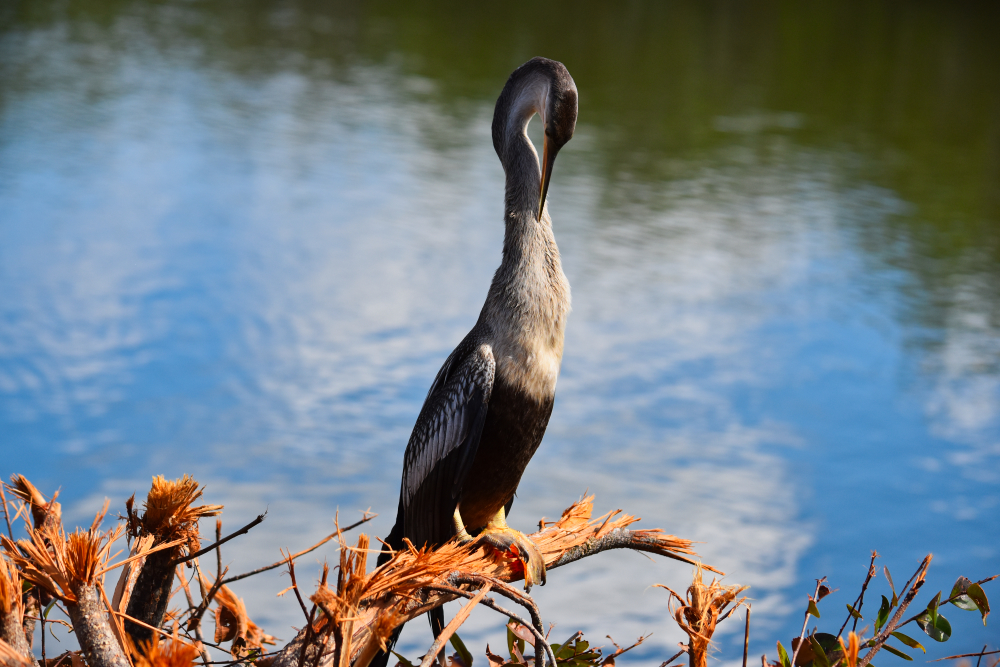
<point x="238" y="238"/>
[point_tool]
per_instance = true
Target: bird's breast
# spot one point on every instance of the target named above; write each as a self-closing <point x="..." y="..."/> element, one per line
<point x="530" y="363"/>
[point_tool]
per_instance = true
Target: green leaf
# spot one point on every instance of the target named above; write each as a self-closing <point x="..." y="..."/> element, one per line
<point x="820" y="655"/>
<point x="512" y="640"/>
<point x="463" y="652"/>
<point x="783" y="656"/>
<point x="883" y="613"/>
<point x="855" y="613"/>
<point x="896" y="651"/>
<point x="813" y="609"/>
<point x="45" y="614"/>
<point x="958" y="596"/>
<point x="403" y="661"/>
<point x="934" y="626"/>
<point x="909" y="641"/>
<point x="978" y="596"/>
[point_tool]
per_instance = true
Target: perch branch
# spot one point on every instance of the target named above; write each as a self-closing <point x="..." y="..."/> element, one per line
<point x="404" y="591"/>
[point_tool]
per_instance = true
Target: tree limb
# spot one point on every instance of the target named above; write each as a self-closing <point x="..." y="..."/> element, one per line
<point x="410" y="583"/>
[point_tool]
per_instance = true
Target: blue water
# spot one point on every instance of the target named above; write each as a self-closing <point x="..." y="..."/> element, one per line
<point x="246" y="262"/>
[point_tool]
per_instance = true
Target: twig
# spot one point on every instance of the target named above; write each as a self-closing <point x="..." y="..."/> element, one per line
<point x="746" y="638"/>
<point x="6" y="516"/>
<point x="281" y="562"/>
<point x="450" y="629"/>
<point x="805" y="622"/>
<point x="190" y="600"/>
<point x="59" y="621"/>
<point x="511" y="593"/>
<point x="673" y="657"/>
<point x="893" y="623"/>
<point x="218" y="545"/>
<point x="969" y="655"/>
<point x="955" y="597"/>
<point x="295" y="587"/>
<point x="147" y="625"/>
<point x="41" y="620"/>
<point x="860" y="600"/>
<point x="219" y="542"/>
<point x="539" y="637"/>
<point x="207" y="600"/>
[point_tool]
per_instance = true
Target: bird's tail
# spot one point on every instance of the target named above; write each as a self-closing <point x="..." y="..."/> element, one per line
<point x="393" y="542"/>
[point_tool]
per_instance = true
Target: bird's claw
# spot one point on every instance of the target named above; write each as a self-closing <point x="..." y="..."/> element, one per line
<point x="516" y="544"/>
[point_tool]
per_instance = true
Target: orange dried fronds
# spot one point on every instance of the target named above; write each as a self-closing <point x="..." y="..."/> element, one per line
<point x="698" y="613"/>
<point x="10" y="590"/>
<point x="169" y="514"/>
<point x="58" y="563"/>
<point x="41" y="509"/>
<point x="159" y="652"/>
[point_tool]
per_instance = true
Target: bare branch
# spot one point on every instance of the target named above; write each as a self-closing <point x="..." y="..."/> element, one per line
<point x="367" y="517"/>
<point x="450" y="629"/>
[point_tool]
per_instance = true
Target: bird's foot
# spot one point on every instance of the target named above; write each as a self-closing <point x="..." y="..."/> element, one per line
<point x="515" y="545"/>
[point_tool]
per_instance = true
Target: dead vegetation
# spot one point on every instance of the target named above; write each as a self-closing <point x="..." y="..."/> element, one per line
<point x="349" y="617"/>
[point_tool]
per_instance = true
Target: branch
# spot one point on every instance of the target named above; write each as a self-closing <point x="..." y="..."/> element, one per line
<point x="968" y="655"/>
<point x="367" y="517"/>
<point x="918" y="581"/>
<point x="450" y="629"/>
<point x="410" y="583"/>
<point x="242" y="531"/>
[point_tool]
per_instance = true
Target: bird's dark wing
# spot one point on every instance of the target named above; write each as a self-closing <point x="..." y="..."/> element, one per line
<point x="444" y="443"/>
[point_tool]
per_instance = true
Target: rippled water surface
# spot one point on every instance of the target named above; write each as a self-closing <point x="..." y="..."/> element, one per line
<point x="237" y="239"/>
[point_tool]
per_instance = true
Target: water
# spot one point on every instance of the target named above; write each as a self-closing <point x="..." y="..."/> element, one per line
<point x="238" y="239"/>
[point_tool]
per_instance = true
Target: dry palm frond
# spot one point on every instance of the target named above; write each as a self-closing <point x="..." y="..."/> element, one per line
<point x="12" y="609"/>
<point x="42" y="510"/>
<point x="415" y="581"/>
<point x="698" y="614"/>
<point x="169" y="514"/>
<point x="232" y="623"/>
<point x="11" y="601"/>
<point x="61" y="564"/>
<point x="11" y="658"/>
<point x="159" y="652"/>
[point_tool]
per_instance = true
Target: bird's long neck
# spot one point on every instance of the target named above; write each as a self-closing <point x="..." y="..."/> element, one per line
<point x="529" y="298"/>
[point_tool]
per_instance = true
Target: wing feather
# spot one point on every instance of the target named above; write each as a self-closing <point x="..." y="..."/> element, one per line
<point x="444" y="441"/>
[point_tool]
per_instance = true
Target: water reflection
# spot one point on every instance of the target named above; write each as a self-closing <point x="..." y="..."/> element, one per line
<point x="238" y="240"/>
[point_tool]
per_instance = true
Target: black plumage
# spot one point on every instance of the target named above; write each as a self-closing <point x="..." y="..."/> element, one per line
<point x="487" y="410"/>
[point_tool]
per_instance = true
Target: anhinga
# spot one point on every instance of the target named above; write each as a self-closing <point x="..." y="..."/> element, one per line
<point x="487" y="410"/>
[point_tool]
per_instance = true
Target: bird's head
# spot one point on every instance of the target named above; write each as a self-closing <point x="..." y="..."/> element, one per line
<point x="544" y="87"/>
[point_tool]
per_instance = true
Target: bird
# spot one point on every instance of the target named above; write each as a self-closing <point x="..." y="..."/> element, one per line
<point x="488" y="406"/>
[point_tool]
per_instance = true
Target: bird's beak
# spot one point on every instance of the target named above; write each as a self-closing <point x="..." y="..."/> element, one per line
<point x="549" y="151"/>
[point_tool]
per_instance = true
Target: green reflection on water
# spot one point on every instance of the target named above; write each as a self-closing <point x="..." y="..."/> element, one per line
<point x="906" y="95"/>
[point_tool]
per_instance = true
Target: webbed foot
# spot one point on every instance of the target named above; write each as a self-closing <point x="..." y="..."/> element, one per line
<point x="515" y="544"/>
